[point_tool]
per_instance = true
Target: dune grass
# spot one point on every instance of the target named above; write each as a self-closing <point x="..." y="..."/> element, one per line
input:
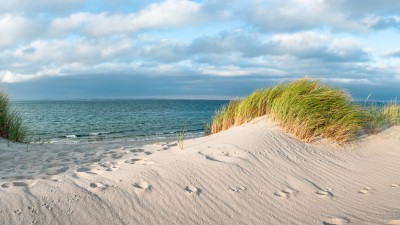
<point x="307" y="109"/>
<point x="11" y="123"/>
<point x="392" y="113"/>
<point x="180" y="137"/>
<point x="376" y="119"/>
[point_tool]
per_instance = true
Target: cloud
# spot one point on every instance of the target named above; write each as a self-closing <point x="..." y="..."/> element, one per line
<point x="11" y="77"/>
<point x="395" y="53"/>
<point x="163" y="15"/>
<point x="387" y="22"/>
<point x="189" y="44"/>
<point x="236" y="53"/>
<point x="14" y="28"/>
<point x="343" y="15"/>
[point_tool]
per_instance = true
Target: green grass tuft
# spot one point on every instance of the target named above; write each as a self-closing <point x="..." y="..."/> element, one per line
<point x="180" y="136"/>
<point x="392" y="113"/>
<point x="307" y="109"/>
<point x="375" y="119"/>
<point x="11" y="123"/>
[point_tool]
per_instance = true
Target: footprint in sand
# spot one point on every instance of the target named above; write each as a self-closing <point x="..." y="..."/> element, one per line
<point x="236" y="189"/>
<point x="69" y="211"/>
<point x="109" y="166"/>
<point x="57" y="180"/>
<point x="145" y="162"/>
<point x="98" y="185"/>
<point x="393" y="222"/>
<point x="112" y="168"/>
<point x="117" y="155"/>
<point x="33" y="210"/>
<point x="83" y="169"/>
<point x="365" y="190"/>
<point x="5" y="185"/>
<point x="192" y="190"/>
<point x="285" y="193"/>
<point x="137" y="150"/>
<point x="142" y="186"/>
<point x="336" y="221"/>
<point x="131" y="161"/>
<point x="327" y="192"/>
<point x="18" y="184"/>
<point x="56" y="170"/>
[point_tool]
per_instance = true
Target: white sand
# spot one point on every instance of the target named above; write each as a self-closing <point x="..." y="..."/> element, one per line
<point x="252" y="174"/>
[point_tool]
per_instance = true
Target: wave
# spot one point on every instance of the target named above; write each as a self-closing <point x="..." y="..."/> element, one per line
<point x="71" y="136"/>
<point x="92" y="136"/>
<point x="85" y="135"/>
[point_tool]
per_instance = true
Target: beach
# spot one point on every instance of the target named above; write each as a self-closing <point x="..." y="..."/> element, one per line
<point x="250" y="174"/>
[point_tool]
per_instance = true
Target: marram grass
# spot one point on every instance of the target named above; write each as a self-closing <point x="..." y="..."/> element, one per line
<point x="392" y="113"/>
<point x="307" y="109"/>
<point x="11" y="123"/>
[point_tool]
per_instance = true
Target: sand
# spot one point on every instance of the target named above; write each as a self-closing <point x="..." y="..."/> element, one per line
<point x="251" y="174"/>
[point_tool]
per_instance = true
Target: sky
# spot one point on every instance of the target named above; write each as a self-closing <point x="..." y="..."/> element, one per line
<point x="203" y="49"/>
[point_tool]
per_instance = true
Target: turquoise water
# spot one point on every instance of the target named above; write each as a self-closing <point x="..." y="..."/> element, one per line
<point x="97" y="120"/>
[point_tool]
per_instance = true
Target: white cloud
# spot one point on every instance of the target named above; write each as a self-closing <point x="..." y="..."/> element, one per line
<point x="300" y="43"/>
<point x="12" y="77"/>
<point x="232" y="71"/>
<point x="305" y="45"/>
<point x="166" y="14"/>
<point x="13" y="27"/>
<point x="81" y="51"/>
<point x="347" y="48"/>
<point x="345" y="15"/>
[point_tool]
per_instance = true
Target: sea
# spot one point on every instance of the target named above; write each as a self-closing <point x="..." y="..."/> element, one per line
<point x="73" y="121"/>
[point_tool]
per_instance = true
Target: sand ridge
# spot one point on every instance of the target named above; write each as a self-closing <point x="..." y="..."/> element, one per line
<point x="251" y="174"/>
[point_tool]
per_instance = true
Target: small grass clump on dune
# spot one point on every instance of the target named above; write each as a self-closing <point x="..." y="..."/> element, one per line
<point x="11" y="124"/>
<point x="307" y="109"/>
<point x="376" y="119"/>
<point x="392" y="113"/>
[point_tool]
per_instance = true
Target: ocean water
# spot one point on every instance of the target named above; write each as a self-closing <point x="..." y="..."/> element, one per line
<point x="102" y="120"/>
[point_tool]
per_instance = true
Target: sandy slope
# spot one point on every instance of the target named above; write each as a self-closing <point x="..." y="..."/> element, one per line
<point x="252" y="174"/>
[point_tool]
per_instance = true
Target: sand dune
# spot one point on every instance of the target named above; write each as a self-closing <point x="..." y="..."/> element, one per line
<point x="251" y="174"/>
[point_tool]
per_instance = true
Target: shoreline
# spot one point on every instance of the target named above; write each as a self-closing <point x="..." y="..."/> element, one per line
<point x="250" y="174"/>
